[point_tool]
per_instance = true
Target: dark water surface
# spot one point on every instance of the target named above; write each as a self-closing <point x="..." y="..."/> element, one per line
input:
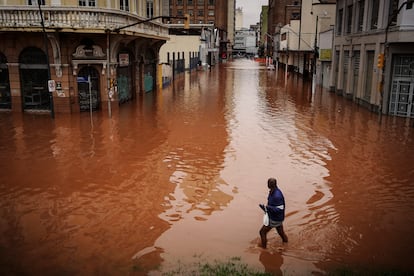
<point x="176" y="177"/>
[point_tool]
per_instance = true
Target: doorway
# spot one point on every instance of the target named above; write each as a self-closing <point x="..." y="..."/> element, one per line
<point x="89" y="100"/>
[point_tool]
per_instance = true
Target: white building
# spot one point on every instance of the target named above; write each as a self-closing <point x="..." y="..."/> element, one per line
<point x="245" y="42"/>
<point x="239" y="19"/>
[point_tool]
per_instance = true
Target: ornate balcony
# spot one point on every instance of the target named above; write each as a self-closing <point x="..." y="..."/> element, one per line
<point x="77" y="19"/>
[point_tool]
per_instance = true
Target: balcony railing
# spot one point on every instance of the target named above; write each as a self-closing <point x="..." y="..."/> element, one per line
<point x="76" y="19"/>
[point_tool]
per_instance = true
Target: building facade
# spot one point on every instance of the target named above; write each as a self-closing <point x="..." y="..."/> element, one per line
<point x="245" y="43"/>
<point x="280" y="13"/>
<point x="374" y="56"/>
<point x="68" y="56"/>
<point x="298" y="42"/>
<point x="211" y="17"/>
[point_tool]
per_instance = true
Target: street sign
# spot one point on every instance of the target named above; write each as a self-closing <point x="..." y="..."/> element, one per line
<point x="51" y="85"/>
<point x="82" y="80"/>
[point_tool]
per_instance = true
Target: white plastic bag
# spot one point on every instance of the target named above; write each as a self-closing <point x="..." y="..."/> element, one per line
<point x="266" y="219"/>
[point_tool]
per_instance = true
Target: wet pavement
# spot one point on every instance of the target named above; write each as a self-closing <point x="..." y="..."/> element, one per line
<point x="175" y="178"/>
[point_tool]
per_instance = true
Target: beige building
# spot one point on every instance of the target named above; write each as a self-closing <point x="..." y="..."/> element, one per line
<point x="98" y="54"/>
<point x="374" y="56"/>
<point x="239" y="19"/>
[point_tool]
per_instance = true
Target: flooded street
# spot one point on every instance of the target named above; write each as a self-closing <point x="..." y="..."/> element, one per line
<point x="175" y="178"/>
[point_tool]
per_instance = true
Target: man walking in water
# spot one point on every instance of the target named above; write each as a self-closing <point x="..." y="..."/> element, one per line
<point x="276" y="210"/>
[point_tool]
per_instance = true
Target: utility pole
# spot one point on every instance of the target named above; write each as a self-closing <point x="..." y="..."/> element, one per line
<point x="52" y="110"/>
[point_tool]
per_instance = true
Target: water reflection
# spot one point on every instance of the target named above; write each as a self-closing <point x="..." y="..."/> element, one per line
<point x="272" y="261"/>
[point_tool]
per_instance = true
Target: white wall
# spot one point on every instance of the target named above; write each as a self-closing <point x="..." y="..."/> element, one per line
<point x="182" y="43"/>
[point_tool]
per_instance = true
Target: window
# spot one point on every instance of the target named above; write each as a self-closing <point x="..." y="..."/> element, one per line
<point x="211" y="2"/>
<point x="87" y="3"/>
<point x="124" y="5"/>
<point x="179" y="2"/>
<point x="190" y="2"/>
<point x="361" y="9"/>
<point x="374" y="14"/>
<point x="200" y="2"/>
<point x="349" y="20"/>
<point x="179" y="12"/>
<point x="190" y="12"/>
<point x="150" y="8"/>
<point x="200" y="13"/>
<point x="339" y="22"/>
<point x="210" y="12"/>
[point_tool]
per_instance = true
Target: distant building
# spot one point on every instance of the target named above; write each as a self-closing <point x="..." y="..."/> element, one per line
<point x="280" y="13"/>
<point x="210" y="20"/>
<point x="245" y="43"/>
<point x="373" y="58"/>
<point x="239" y="18"/>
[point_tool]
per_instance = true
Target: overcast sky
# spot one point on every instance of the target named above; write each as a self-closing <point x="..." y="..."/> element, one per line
<point x="251" y="10"/>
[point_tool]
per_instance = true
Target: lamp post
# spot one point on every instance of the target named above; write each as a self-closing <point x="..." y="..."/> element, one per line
<point x="52" y="110"/>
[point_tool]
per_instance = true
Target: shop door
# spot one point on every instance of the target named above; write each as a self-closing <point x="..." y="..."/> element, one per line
<point x="85" y="97"/>
<point x="368" y="77"/>
<point x="345" y="74"/>
<point x="402" y="87"/>
<point x="33" y="78"/>
<point x="356" y="62"/>
<point x="124" y="84"/>
<point x="149" y="77"/>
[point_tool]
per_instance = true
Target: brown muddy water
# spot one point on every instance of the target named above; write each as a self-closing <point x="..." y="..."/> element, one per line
<point x="175" y="178"/>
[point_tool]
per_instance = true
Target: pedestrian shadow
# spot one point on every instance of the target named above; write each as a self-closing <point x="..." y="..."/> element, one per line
<point x="271" y="258"/>
<point x="272" y="261"/>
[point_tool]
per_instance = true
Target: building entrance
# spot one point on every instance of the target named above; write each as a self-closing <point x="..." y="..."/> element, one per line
<point x="88" y="100"/>
<point x="402" y="87"/>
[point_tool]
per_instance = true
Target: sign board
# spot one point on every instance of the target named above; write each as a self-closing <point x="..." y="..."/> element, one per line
<point x="325" y="54"/>
<point x="123" y="60"/>
<point x="51" y="85"/>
